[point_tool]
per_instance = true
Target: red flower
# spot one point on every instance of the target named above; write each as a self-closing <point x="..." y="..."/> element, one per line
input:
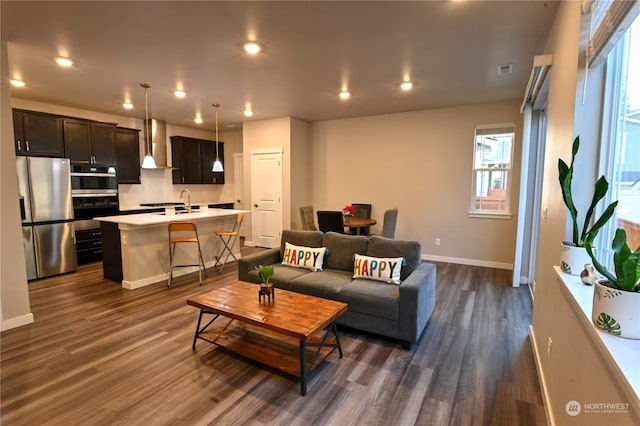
<point x="349" y="209"/>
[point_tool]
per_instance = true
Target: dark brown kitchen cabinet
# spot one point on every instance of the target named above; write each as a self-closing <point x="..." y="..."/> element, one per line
<point x="37" y="134"/>
<point x="89" y="141"/>
<point x="128" y="155"/>
<point x="193" y="160"/>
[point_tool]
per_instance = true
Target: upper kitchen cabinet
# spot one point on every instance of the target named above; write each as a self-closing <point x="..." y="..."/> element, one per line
<point x="128" y="155"/>
<point x="37" y="134"/>
<point x="193" y="160"/>
<point x="89" y="141"/>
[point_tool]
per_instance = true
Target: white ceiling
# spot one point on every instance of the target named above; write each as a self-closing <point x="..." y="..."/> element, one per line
<point x="311" y="50"/>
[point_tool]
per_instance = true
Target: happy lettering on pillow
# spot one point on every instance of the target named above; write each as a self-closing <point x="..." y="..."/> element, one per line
<point x="303" y="257"/>
<point x="385" y="269"/>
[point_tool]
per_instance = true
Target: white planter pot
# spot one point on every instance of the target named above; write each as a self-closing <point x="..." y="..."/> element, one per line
<point x="616" y="311"/>
<point x="573" y="259"/>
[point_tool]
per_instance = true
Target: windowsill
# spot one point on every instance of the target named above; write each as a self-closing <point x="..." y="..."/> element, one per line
<point x="621" y="353"/>
<point x="489" y="215"/>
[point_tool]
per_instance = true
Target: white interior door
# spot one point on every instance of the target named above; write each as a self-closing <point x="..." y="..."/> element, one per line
<point x="266" y="197"/>
<point x="238" y="181"/>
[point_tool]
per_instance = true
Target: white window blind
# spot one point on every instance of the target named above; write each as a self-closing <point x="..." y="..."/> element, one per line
<point x="609" y="20"/>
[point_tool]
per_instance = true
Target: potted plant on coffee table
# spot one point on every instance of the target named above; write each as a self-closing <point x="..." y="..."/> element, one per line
<point x="573" y="255"/>
<point x="616" y="300"/>
<point x="266" y="288"/>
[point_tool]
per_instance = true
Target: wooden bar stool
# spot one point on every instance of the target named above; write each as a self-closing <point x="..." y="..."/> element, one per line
<point x="228" y="239"/>
<point x="184" y="232"/>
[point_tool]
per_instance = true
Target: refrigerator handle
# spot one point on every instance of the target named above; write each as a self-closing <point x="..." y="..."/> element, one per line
<point x="23" y="213"/>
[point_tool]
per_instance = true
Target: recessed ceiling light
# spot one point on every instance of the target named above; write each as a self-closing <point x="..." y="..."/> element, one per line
<point x="406" y="85"/>
<point x="64" y="62"/>
<point x="180" y="93"/>
<point x="251" y="47"/>
<point x="345" y="95"/>
<point x="18" y="83"/>
<point x="127" y="105"/>
<point x="198" y="119"/>
<point x="248" y="112"/>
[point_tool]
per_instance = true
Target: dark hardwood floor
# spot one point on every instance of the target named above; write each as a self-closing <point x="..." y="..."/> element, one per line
<point x="98" y="354"/>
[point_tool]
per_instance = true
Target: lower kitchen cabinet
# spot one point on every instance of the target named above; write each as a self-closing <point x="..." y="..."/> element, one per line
<point x="88" y="245"/>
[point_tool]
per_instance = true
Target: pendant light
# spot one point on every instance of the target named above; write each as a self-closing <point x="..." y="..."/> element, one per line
<point x="217" y="165"/>
<point x="148" y="162"/>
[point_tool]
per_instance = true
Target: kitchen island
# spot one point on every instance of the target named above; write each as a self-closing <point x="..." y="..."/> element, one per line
<point x="136" y="246"/>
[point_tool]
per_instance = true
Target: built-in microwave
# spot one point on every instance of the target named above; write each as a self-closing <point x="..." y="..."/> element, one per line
<point x="89" y="179"/>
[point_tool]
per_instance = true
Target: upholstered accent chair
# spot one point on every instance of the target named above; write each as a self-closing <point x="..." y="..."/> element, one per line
<point x="389" y="223"/>
<point x="306" y="215"/>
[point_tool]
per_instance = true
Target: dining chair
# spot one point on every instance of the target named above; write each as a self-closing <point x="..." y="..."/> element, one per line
<point x="306" y="214"/>
<point x="330" y="221"/>
<point x="361" y="210"/>
<point x="389" y="223"/>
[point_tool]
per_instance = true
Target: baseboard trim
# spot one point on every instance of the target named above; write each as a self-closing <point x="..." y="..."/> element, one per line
<point x="472" y="262"/>
<point x="16" y="322"/>
<point x="541" y="380"/>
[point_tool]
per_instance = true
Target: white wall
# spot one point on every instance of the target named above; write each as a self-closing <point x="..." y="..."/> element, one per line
<point x="301" y="165"/>
<point x="420" y="162"/>
<point x="14" y="294"/>
<point x="574" y="370"/>
<point x="263" y="134"/>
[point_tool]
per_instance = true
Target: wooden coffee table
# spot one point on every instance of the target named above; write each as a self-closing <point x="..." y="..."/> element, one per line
<point x="287" y="334"/>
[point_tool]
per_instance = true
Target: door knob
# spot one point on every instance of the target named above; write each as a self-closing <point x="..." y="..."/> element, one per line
<point x="255" y="205"/>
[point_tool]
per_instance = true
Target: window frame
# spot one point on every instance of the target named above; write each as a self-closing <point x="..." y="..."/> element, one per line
<point x="617" y="63"/>
<point x="508" y="173"/>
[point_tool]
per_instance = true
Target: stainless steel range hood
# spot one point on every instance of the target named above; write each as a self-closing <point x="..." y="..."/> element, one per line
<point x="158" y="144"/>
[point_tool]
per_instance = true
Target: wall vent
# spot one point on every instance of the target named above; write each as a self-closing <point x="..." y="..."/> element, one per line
<point x="505" y="69"/>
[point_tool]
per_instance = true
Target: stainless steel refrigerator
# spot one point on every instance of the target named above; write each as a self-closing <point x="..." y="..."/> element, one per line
<point x="47" y="216"/>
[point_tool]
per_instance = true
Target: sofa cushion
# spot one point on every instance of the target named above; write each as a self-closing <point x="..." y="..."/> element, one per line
<point x="303" y="257"/>
<point x="300" y="238"/>
<point x="342" y="248"/>
<point x="326" y="284"/>
<point x="386" y="247"/>
<point x="371" y="298"/>
<point x="386" y="269"/>
<point x="282" y="275"/>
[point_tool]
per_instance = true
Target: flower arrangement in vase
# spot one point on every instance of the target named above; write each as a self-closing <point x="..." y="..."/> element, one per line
<point x="347" y="212"/>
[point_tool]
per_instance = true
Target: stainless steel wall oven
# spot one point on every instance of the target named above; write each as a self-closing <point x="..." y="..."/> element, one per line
<point x="94" y="190"/>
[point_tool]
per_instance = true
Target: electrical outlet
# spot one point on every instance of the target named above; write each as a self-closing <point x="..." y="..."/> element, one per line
<point x="437" y="241"/>
<point x="549" y="342"/>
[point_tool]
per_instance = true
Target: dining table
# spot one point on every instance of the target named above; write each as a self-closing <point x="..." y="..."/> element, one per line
<point x="361" y="224"/>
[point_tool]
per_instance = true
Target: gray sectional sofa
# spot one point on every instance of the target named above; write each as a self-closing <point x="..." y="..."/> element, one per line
<point x="397" y="311"/>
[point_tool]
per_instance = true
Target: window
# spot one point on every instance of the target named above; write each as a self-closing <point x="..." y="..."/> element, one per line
<point x="492" y="162"/>
<point x="621" y="139"/>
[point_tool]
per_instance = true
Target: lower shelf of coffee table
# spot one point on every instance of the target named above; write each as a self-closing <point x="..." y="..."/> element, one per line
<point x="269" y="348"/>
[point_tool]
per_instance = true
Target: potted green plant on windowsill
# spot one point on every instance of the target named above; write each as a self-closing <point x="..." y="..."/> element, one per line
<point x="573" y="256"/>
<point x="616" y="300"/>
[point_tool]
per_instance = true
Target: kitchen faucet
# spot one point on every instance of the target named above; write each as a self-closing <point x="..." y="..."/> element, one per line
<point x="188" y="198"/>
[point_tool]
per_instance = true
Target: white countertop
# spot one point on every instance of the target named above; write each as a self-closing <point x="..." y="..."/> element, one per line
<point x="146" y="219"/>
